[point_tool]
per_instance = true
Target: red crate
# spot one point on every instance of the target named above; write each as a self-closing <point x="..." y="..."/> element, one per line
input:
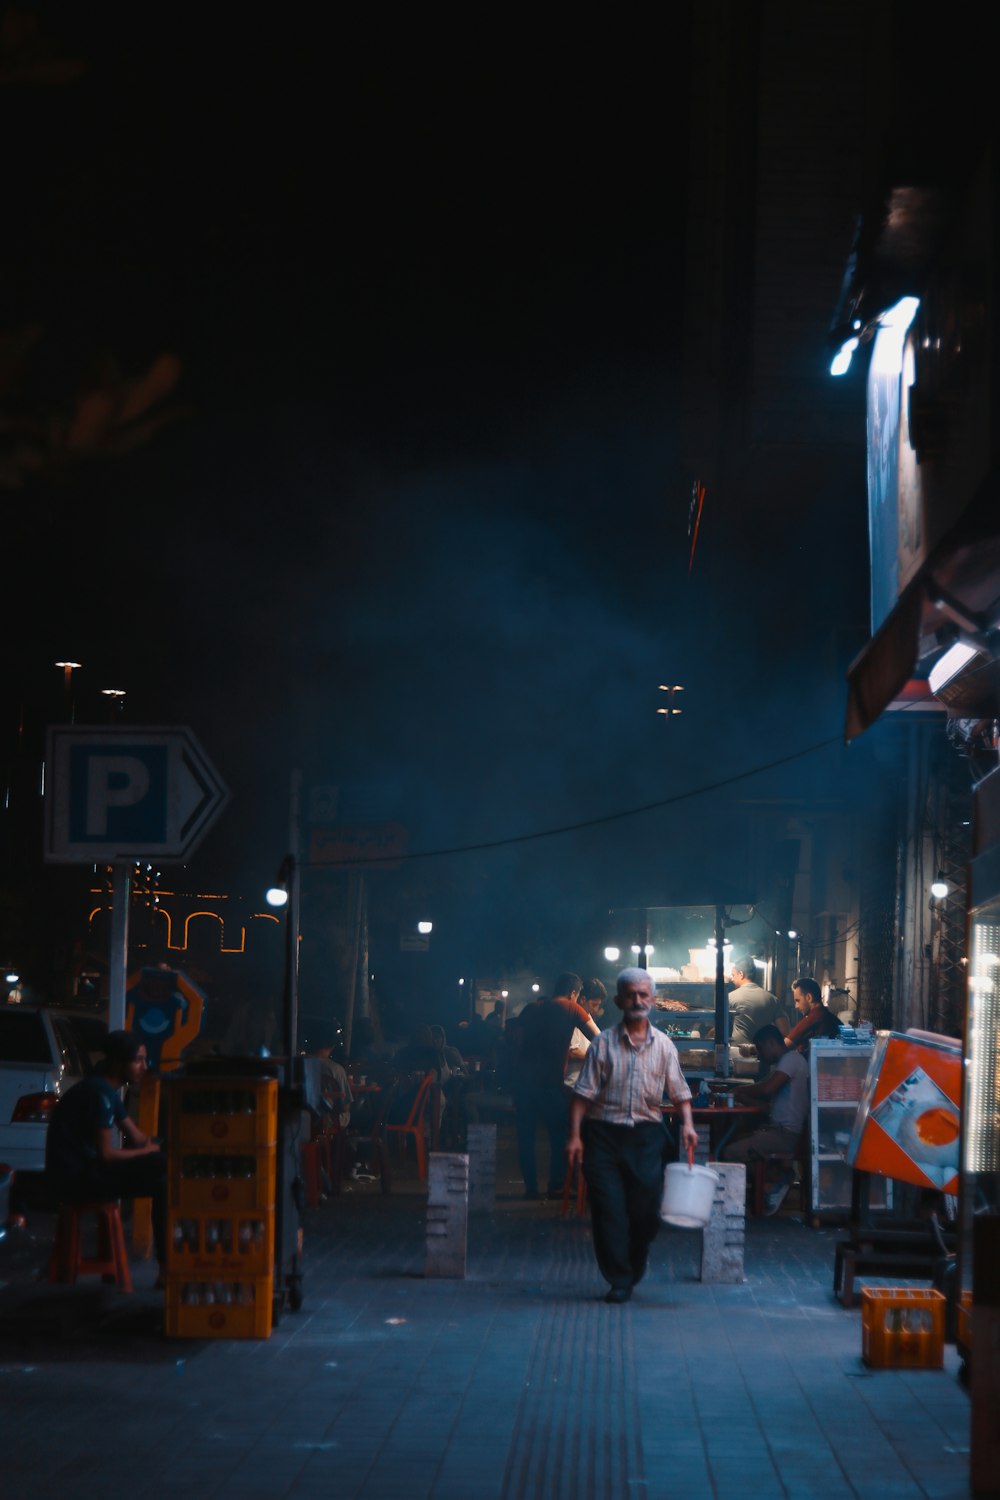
<point x="222" y="1308"/>
<point x="902" y="1328"/>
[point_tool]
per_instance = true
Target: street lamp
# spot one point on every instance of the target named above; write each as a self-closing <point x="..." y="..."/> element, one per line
<point x="116" y="702"/>
<point x="68" y="668"/>
<point x="285" y="892"/>
<point x="670" y="689"/>
<point x="425" y="928"/>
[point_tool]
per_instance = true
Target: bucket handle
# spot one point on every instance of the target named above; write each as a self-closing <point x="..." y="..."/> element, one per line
<point x="691" y="1157"/>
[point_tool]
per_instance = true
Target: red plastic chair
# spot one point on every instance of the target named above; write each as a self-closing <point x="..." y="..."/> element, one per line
<point x="413" y="1125"/>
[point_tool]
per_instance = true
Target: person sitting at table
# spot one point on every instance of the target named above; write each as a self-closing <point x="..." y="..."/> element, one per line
<point x="454" y="1078"/>
<point x="816" y="1021"/>
<point x="785" y="1091"/>
<point x="451" y="1063"/>
<point x="411" y="1065"/>
<point x="334" y="1084"/>
<point x="85" y="1161"/>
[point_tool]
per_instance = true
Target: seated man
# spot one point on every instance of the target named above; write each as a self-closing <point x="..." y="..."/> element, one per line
<point x="786" y="1091"/>
<point x="816" y="1020"/>
<point x="336" y="1089"/>
<point x="85" y="1161"/>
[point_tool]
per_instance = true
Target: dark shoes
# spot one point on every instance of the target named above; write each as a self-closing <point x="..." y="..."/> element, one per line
<point x="618" y="1294"/>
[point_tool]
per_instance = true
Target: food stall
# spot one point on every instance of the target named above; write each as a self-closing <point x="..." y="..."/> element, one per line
<point x="687" y="950"/>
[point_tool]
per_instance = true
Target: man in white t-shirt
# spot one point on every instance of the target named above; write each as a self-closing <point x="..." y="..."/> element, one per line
<point x="786" y="1091"/>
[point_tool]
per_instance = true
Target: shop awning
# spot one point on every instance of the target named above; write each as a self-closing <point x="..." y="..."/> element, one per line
<point x="957" y="588"/>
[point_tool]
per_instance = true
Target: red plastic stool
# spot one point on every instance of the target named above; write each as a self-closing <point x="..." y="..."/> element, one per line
<point x="581" y="1193"/>
<point x="68" y="1261"/>
<point x="310" y="1153"/>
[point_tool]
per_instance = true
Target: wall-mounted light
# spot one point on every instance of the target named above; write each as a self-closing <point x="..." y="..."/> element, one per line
<point x="425" y="927"/>
<point x="612" y="955"/>
<point x="535" y="987"/>
<point x="948" y="666"/>
<point x="841" y="362"/>
<point x="939" y="886"/>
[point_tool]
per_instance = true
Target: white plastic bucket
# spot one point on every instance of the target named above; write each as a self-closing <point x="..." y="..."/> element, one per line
<point x="688" y="1195"/>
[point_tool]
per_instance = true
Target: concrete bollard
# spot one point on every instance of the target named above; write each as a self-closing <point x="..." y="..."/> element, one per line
<point x="447" y="1213"/>
<point x="723" y="1240"/>
<point x="481" y="1144"/>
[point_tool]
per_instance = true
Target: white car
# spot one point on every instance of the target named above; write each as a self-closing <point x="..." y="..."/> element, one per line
<point x="43" y="1052"/>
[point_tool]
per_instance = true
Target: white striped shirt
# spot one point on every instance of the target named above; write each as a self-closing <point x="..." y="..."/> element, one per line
<point x="625" y="1081"/>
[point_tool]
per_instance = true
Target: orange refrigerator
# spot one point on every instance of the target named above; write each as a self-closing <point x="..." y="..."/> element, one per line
<point x="909" y="1122"/>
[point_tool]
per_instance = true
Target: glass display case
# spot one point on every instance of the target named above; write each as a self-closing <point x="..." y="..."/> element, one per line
<point x="980" y="1196"/>
<point x="837" y="1073"/>
<point x="978" y="1332"/>
<point x="687" y="952"/>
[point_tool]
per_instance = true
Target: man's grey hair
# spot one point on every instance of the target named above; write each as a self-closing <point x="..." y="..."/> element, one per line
<point x="744" y="965"/>
<point x="633" y="976"/>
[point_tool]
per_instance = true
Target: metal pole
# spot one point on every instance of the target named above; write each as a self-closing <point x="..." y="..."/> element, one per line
<point x="121" y="891"/>
<point x="721" y="998"/>
<point x="291" y="995"/>
<point x="292" y="925"/>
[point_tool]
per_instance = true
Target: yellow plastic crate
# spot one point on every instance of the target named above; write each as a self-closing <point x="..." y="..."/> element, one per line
<point x="902" y="1328"/>
<point x="205" y="1245"/>
<point x="229" y="1182"/>
<point x="221" y="1308"/>
<point x="221" y="1114"/>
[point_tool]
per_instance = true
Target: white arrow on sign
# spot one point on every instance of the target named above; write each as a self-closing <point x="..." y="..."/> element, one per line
<point x="120" y="793"/>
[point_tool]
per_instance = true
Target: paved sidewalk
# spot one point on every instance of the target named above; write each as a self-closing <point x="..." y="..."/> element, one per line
<point x="516" y="1383"/>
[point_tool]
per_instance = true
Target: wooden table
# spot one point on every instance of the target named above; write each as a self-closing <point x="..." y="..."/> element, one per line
<point x="731" y="1119"/>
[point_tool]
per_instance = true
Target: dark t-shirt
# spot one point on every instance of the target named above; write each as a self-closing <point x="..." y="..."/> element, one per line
<point x="544" y="1038"/>
<point x="92" y="1105"/>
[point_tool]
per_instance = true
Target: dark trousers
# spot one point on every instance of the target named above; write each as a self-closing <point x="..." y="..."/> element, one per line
<point x="623" y="1165"/>
<point x="548" y="1106"/>
<point x="138" y="1177"/>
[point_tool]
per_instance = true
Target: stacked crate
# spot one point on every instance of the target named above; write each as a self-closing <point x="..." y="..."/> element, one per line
<point x="221" y="1191"/>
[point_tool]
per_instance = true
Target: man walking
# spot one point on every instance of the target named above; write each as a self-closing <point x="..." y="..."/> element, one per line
<point x="541" y="1047"/>
<point x="616" y="1130"/>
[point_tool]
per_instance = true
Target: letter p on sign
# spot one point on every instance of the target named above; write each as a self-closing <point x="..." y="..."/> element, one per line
<point x="118" y="796"/>
<point x="112" y="781"/>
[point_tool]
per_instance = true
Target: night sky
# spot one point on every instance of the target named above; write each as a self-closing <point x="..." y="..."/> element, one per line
<point x="417" y="524"/>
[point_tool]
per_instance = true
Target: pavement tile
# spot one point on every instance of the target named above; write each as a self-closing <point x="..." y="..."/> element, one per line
<point x="515" y="1384"/>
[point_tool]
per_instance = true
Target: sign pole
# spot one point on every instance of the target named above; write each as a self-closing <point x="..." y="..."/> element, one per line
<point x="121" y="891"/>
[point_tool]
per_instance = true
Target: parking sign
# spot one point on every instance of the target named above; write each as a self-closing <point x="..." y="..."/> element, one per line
<point x="117" y="794"/>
